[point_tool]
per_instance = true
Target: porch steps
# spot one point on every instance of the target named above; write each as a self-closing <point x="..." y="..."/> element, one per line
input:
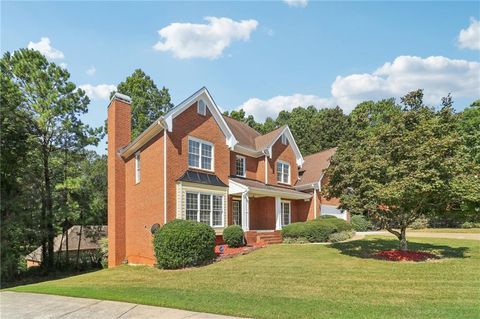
<point x="266" y="237"/>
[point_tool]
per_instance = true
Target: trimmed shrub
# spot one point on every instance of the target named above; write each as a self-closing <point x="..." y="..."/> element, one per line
<point x="468" y="225"/>
<point x="360" y="223"/>
<point x="341" y="236"/>
<point x="315" y="231"/>
<point x="420" y="223"/>
<point x="233" y="236"/>
<point x="184" y="243"/>
<point x="299" y="240"/>
<point x="327" y="217"/>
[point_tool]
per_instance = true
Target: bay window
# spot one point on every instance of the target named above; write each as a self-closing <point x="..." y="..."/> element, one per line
<point x="205" y="208"/>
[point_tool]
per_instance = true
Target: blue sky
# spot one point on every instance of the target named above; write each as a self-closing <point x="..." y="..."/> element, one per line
<point x="263" y="56"/>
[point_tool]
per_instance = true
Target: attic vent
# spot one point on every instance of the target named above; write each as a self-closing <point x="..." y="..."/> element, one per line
<point x="201" y="107"/>
<point x="284" y="139"/>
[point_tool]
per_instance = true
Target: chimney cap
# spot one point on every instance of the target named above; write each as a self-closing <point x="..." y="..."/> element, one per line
<point x="121" y="97"/>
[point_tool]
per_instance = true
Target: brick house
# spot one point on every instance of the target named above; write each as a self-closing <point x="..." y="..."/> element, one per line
<point x="195" y="163"/>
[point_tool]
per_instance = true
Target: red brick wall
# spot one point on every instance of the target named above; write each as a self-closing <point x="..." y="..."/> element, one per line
<point x="262" y="213"/>
<point x="286" y="154"/>
<point x="190" y="123"/>
<point x="252" y="166"/>
<point x="119" y="124"/>
<point x="144" y="201"/>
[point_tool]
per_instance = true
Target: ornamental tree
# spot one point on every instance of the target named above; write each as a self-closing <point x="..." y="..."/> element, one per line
<point x="399" y="162"/>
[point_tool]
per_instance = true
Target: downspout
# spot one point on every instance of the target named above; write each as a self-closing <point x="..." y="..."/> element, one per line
<point x="266" y="169"/>
<point x="165" y="136"/>
<point x="314" y="203"/>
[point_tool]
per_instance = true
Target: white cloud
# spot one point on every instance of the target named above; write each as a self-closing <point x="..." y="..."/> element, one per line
<point x="63" y="65"/>
<point x="469" y="38"/>
<point x="260" y="109"/>
<point x="44" y="47"/>
<point x="296" y="3"/>
<point x="100" y="91"/>
<point x="189" y="40"/>
<point x="437" y="75"/>
<point x="91" y="71"/>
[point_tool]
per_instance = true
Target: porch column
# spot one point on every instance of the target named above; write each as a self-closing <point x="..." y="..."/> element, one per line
<point x="278" y="213"/>
<point x="245" y="212"/>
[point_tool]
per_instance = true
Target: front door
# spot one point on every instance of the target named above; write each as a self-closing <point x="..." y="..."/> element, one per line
<point x="237" y="212"/>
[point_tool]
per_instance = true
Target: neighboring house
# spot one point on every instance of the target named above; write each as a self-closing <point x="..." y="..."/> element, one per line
<point x="195" y="163"/>
<point x="88" y="236"/>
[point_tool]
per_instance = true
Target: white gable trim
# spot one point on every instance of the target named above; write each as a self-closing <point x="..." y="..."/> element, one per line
<point x="291" y="140"/>
<point x="211" y="105"/>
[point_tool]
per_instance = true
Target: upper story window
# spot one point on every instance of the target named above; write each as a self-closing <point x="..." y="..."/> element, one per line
<point x="240" y="166"/>
<point x="201" y="107"/>
<point x="200" y="154"/>
<point x="283" y="172"/>
<point x="284" y="139"/>
<point x="137" y="167"/>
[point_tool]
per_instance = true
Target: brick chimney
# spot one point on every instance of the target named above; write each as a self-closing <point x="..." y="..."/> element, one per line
<point x="119" y="135"/>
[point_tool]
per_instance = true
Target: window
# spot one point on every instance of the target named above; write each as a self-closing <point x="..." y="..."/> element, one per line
<point x="284" y="139"/>
<point x="286" y="213"/>
<point x="205" y="208"/>
<point x="237" y="212"/>
<point x="200" y="154"/>
<point x="283" y="172"/>
<point x="137" y="168"/>
<point x="240" y="166"/>
<point x="201" y="107"/>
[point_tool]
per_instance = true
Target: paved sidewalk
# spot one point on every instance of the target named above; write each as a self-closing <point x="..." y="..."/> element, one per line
<point x="413" y="234"/>
<point x="15" y="305"/>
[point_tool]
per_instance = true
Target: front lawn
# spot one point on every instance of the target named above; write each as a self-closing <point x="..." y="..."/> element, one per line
<point x="302" y="281"/>
<point x="447" y="230"/>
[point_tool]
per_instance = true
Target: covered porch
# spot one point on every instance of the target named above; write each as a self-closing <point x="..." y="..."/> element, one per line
<point x="263" y="209"/>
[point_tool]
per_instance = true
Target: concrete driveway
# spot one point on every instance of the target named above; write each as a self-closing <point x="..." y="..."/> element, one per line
<point x="26" y="305"/>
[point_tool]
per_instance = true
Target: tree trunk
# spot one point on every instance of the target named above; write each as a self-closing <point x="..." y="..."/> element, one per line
<point x="403" y="239"/>
<point x="48" y="208"/>
<point x="67" y="255"/>
<point x="78" y="248"/>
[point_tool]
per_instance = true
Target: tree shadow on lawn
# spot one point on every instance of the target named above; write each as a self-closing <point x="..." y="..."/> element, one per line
<point x="368" y="249"/>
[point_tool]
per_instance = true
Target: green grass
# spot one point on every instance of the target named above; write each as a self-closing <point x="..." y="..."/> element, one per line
<point x="302" y="281"/>
<point x="447" y="230"/>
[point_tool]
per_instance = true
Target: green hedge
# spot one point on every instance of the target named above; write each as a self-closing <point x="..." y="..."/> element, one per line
<point x="360" y="223"/>
<point x="184" y="243"/>
<point x="318" y="230"/>
<point x="233" y="236"/>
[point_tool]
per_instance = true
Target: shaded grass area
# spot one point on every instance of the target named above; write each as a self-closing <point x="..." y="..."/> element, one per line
<point x="446" y="230"/>
<point x="302" y="281"/>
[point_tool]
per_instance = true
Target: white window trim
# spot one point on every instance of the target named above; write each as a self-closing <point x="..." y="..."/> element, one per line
<point x="244" y="159"/>
<point x="290" y="212"/>
<point x="211" y="207"/>
<point x="190" y="138"/>
<point x="289" y="172"/>
<point x="138" y="168"/>
<point x="204" y="113"/>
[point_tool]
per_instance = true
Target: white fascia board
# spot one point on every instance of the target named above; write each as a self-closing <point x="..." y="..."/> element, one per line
<point x="308" y="186"/>
<point x="273" y="193"/>
<point x="236" y="188"/>
<point x="155" y="128"/>
<point x="291" y="140"/>
<point x="247" y="151"/>
<point x="211" y="105"/>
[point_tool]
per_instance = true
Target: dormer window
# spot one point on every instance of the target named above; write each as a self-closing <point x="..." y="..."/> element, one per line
<point x="240" y="166"/>
<point x="284" y="139"/>
<point x="201" y="107"/>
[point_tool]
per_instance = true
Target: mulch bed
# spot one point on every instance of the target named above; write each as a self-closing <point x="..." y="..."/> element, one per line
<point x="229" y="252"/>
<point x="400" y="255"/>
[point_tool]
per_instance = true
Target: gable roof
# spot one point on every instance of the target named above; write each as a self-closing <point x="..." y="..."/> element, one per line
<point x="314" y="166"/>
<point x="244" y="134"/>
<point x="239" y="136"/>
